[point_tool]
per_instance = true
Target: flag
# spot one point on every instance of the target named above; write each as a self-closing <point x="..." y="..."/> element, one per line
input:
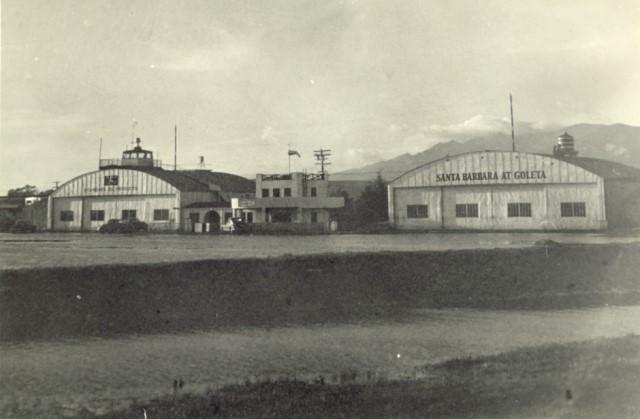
<point x="294" y="153"/>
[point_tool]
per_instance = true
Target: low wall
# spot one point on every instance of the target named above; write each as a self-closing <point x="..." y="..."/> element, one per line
<point x="218" y="294"/>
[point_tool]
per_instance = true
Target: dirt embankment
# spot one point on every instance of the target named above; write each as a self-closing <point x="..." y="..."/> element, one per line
<point x="109" y="300"/>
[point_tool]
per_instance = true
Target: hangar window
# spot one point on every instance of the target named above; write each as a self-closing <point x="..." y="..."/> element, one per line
<point x="111" y="180"/>
<point x="467" y="210"/>
<point x="96" y="215"/>
<point x="519" y="209"/>
<point x="66" y="215"/>
<point x="573" y="209"/>
<point x="160" y="215"/>
<point x="128" y="214"/>
<point x="417" y="211"/>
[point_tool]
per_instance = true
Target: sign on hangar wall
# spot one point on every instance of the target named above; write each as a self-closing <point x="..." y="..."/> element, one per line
<point x="494" y="168"/>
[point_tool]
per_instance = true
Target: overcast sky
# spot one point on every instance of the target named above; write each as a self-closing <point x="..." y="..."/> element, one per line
<point x="243" y="79"/>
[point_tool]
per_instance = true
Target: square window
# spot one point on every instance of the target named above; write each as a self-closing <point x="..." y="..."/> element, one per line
<point x="128" y="214"/>
<point x="111" y="180"/>
<point x="520" y="209"/>
<point x="265" y="193"/>
<point x="160" y="215"/>
<point x="467" y="210"/>
<point x="287" y="191"/>
<point x="66" y="215"/>
<point x="96" y="215"/>
<point x="573" y="209"/>
<point x="417" y="211"/>
<point x="276" y="192"/>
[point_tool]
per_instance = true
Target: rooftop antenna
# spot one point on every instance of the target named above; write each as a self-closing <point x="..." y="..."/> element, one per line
<point x="175" y="147"/>
<point x="322" y="156"/>
<point x="134" y="123"/>
<point x="201" y="165"/>
<point x="100" y="152"/>
<point x="513" y="137"/>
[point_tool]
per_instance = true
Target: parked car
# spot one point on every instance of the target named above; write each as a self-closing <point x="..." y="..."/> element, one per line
<point x="123" y="227"/>
<point x="235" y="225"/>
<point x="22" y="226"/>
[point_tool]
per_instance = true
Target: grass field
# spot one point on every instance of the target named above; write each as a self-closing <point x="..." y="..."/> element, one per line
<point x="594" y="379"/>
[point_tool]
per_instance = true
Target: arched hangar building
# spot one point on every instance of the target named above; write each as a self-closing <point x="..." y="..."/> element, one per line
<point x="136" y="187"/>
<point x="504" y="190"/>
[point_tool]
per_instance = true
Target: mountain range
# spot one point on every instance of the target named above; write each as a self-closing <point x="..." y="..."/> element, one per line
<point x="617" y="142"/>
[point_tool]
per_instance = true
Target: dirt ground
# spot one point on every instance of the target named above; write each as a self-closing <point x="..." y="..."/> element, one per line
<point x="595" y="379"/>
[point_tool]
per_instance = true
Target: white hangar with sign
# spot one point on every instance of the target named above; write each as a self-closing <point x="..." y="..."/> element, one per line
<point x="505" y="190"/>
<point x="136" y="187"/>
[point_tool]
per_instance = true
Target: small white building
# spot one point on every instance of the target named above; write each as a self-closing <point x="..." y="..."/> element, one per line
<point x="136" y="187"/>
<point x="290" y="198"/>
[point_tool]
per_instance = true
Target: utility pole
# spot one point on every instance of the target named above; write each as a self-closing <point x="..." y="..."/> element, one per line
<point x="175" y="147"/>
<point x="322" y="157"/>
<point x="513" y="137"/>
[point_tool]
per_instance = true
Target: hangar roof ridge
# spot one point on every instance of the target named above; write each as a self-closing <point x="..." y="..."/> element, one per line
<point x="464" y="154"/>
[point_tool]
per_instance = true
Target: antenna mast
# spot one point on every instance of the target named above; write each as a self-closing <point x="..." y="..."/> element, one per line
<point x="322" y="156"/>
<point x="513" y="137"/>
<point x="100" y="152"/>
<point x="175" y="147"/>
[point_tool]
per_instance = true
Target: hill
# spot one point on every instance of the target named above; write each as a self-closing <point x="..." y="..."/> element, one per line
<point x="618" y="142"/>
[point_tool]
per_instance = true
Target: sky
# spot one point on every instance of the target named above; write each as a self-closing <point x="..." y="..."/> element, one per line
<point x="245" y="80"/>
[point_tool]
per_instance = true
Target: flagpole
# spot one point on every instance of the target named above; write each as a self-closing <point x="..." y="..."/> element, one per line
<point x="289" y="155"/>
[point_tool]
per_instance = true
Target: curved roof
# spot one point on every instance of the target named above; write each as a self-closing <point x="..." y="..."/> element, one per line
<point x="495" y="167"/>
<point x="226" y="181"/>
<point x="140" y="180"/>
<point x="607" y="169"/>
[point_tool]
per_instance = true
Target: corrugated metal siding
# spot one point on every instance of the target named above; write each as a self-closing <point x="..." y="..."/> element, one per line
<point x="498" y="162"/>
<point x="130" y="182"/>
<point x="562" y="182"/>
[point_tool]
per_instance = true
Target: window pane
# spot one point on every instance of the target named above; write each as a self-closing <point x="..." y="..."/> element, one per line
<point x="313" y="191"/>
<point x="265" y="193"/>
<point x="512" y="210"/>
<point x="579" y="209"/>
<point x="287" y="191"/>
<point x="525" y="210"/>
<point x="161" y="215"/>
<point x="461" y="210"/>
<point x="472" y="210"/>
<point x="276" y="192"/>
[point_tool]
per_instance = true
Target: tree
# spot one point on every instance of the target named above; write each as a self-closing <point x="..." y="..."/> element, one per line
<point x="26" y="190"/>
<point x="371" y="206"/>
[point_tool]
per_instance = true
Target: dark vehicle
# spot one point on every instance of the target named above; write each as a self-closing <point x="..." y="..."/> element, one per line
<point x="235" y="225"/>
<point x="123" y="227"/>
<point x="22" y="226"/>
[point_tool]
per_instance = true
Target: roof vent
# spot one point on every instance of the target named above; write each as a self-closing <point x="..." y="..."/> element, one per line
<point x="565" y="146"/>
